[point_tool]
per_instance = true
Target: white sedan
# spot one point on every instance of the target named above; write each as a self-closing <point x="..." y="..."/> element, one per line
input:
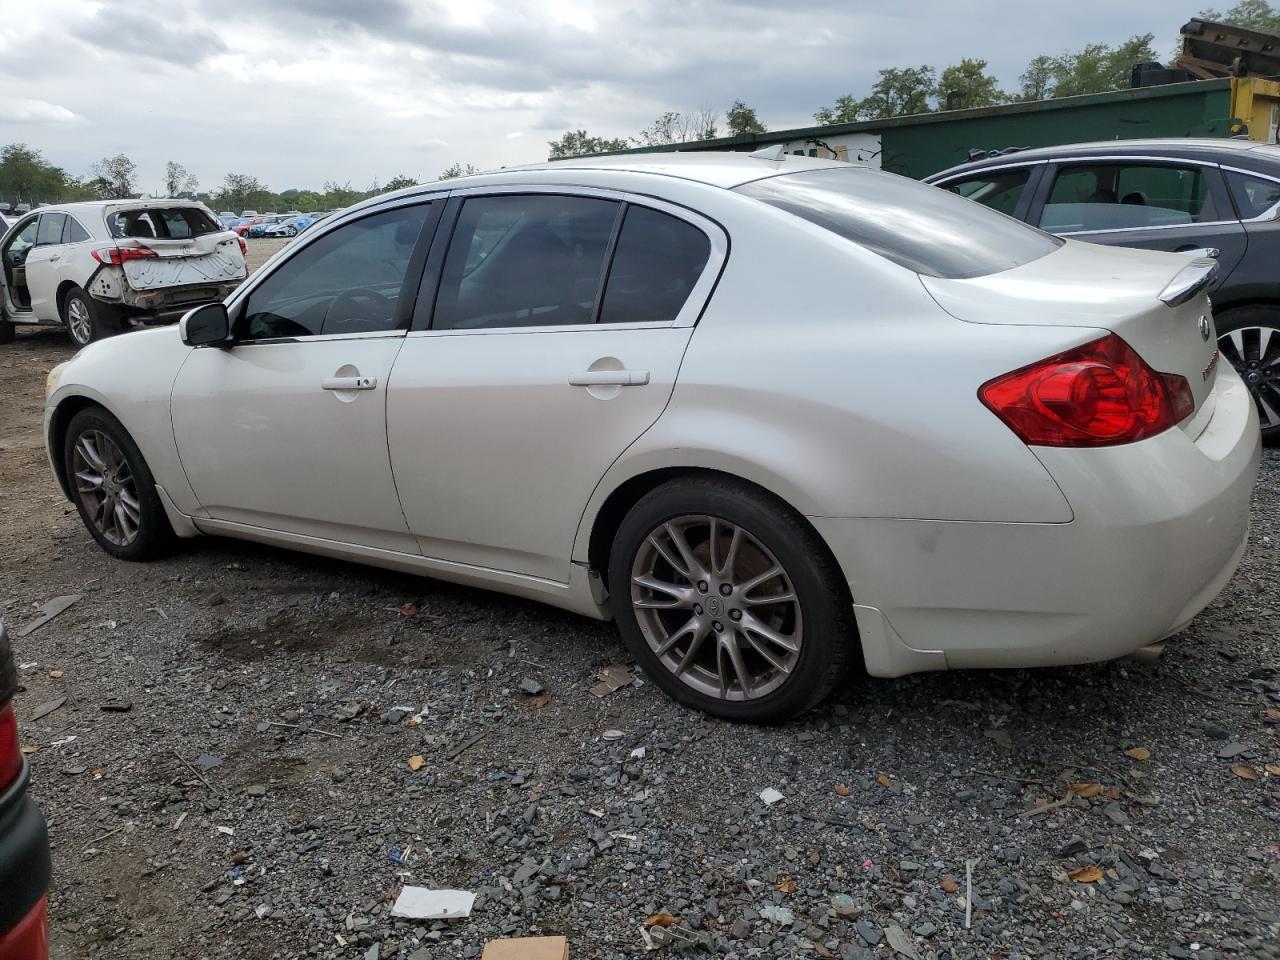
<point x="772" y="415"/>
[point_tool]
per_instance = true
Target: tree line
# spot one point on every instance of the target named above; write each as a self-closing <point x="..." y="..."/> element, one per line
<point x="27" y="177"/>
<point x="901" y="91"/>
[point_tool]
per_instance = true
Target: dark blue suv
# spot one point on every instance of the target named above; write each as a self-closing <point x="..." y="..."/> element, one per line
<point x="1176" y="195"/>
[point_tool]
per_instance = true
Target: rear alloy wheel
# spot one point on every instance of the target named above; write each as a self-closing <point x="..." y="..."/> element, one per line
<point x="1249" y="338"/>
<point x="112" y="488"/>
<point x="290" y="231"/>
<point x="85" y="319"/>
<point x="729" y="602"/>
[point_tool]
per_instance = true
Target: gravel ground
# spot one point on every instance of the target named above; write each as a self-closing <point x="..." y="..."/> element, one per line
<point x="262" y="796"/>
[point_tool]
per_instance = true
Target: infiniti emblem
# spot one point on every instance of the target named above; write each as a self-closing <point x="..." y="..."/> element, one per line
<point x="1204" y="327"/>
<point x="713" y="605"/>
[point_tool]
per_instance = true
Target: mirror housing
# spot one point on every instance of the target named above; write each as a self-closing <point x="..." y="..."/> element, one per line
<point x="207" y="325"/>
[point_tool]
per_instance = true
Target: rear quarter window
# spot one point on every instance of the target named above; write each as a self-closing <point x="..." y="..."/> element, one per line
<point x="917" y="226"/>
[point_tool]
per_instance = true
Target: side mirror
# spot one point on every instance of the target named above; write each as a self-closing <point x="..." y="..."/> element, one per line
<point x="205" y="326"/>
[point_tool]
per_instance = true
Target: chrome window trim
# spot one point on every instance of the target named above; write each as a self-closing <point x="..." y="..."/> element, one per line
<point x="694" y="304"/>
<point x="975" y="174"/>
<point x="1273" y="212"/>
<point x="315" y="337"/>
<point x="1162" y="226"/>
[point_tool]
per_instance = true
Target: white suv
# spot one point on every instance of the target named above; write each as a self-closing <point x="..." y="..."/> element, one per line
<point x="93" y="267"/>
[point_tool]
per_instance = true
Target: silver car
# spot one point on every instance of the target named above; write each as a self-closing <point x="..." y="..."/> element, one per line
<point x="772" y="415"/>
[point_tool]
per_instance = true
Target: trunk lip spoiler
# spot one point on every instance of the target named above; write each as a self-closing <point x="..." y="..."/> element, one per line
<point x="1189" y="281"/>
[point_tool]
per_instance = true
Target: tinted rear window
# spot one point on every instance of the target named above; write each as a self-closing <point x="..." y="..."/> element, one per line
<point x="920" y="227"/>
<point x="162" y="223"/>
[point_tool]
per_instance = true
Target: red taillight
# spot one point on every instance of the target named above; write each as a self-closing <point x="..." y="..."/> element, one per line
<point x="1096" y="395"/>
<point x="244" y="245"/>
<point x="118" y="255"/>
<point x="10" y="754"/>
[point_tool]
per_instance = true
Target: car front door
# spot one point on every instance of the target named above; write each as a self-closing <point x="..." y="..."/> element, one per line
<point x="286" y="429"/>
<point x="18" y="244"/>
<point x="1172" y="205"/>
<point x="43" y="266"/>
<point x="558" y="327"/>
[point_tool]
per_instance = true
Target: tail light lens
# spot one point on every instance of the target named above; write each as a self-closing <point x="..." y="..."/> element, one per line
<point x="118" y="255"/>
<point x="10" y="753"/>
<point x="1096" y="395"/>
<point x="244" y="245"/>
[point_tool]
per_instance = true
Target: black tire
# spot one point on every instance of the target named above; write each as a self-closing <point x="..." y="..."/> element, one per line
<point x="154" y="536"/>
<point x="86" y="319"/>
<point x="1260" y="373"/>
<point x="7" y="331"/>
<point x="830" y="634"/>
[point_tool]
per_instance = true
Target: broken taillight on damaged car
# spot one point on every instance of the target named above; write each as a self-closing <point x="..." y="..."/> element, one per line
<point x="1098" y="394"/>
<point x="115" y="256"/>
<point x="10" y="754"/>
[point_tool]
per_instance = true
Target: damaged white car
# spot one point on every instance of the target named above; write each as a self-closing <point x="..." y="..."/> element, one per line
<point x="95" y="267"/>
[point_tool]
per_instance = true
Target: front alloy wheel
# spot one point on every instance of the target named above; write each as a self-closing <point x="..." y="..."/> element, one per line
<point x="717" y="607"/>
<point x="105" y="485"/>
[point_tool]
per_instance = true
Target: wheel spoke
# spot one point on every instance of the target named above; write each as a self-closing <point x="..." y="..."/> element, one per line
<point x="132" y="508"/>
<point x="89" y="451"/>
<point x="91" y="480"/>
<point x="681" y="597"/>
<point x="766" y="653"/>
<point x="731" y="555"/>
<point x="733" y="653"/>
<point x="695" y="645"/>
<point x="676" y="564"/>
<point x="692" y="567"/>
<point x="755" y="627"/>
<point x="691" y="627"/>
<point x="785" y="597"/>
<point x="771" y="573"/>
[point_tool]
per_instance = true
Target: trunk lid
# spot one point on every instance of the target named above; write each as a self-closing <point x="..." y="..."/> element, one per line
<point x="211" y="258"/>
<point x="1104" y="288"/>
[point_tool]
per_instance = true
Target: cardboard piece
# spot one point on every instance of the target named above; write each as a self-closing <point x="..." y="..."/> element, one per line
<point x="527" y="948"/>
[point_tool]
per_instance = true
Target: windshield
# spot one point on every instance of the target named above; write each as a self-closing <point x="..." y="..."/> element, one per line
<point x="914" y="225"/>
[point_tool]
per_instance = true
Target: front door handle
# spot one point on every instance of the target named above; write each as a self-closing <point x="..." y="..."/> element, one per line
<point x="349" y="383"/>
<point x="56" y="256"/>
<point x="610" y="378"/>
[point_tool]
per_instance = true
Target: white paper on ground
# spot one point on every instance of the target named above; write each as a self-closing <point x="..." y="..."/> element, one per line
<point x="419" y="903"/>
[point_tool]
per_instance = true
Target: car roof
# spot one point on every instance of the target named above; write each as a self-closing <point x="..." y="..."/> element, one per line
<point x="1248" y="153"/>
<point x="90" y="206"/>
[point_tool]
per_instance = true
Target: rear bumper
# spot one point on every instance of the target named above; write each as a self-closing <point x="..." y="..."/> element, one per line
<point x="25" y="871"/>
<point x="1159" y="527"/>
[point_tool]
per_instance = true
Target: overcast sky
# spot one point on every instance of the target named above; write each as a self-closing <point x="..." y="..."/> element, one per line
<point x="297" y="92"/>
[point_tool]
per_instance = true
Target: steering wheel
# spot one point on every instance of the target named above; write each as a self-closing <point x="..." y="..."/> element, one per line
<point x="362" y="306"/>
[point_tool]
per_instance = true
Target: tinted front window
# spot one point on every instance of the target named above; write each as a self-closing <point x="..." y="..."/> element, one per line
<point x="524" y="261"/>
<point x="1000" y="190"/>
<point x="1114" y="196"/>
<point x="347" y="281"/>
<point x="50" y="232"/>
<point x="922" y="228"/>
<point x="1253" y="196"/>
<point x="655" y="265"/>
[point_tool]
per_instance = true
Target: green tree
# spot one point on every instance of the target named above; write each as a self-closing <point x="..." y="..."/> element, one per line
<point x="399" y="183"/>
<point x="896" y="93"/>
<point x="1095" y="69"/>
<point x="114" y="178"/>
<point x="1250" y="14"/>
<point x="240" y="191"/>
<point x="26" y="176"/>
<point x="967" y="84"/>
<point x="178" y="181"/>
<point x="675" y="127"/>
<point x="337" y="195"/>
<point x="742" y="119"/>
<point x="455" y="170"/>
<point x="578" y="143"/>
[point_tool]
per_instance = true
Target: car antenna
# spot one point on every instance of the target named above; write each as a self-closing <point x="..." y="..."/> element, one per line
<point x="776" y="152"/>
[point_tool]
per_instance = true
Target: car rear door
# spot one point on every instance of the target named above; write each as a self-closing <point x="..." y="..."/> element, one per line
<point x="549" y="340"/>
<point x="43" y="266"/>
<point x="1154" y="203"/>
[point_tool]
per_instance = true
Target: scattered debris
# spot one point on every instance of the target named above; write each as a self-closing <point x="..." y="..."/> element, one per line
<point x="48" y="610"/>
<point x="465" y="745"/>
<point x="662" y="919"/>
<point x="531" y="687"/>
<point x="116" y="706"/>
<point x="1090" y="873"/>
<point x="900" y="942"/>
<point x="1233" y="750"/>
<point x="527" y="948"/>
<point x="417" y="762"/>
<point x="770" y="796"/>
<point x="1138" y="753"/>
<point x="1244" y="772"/>
<point x="841" y="790"/>
<point x="779" y="915"/>
<point x="55" y="674"/>
<point x="612" y="679"/>
<point x="46" y="708"/>
<point x="610" y="735"/>
<point x="420" y="903"/>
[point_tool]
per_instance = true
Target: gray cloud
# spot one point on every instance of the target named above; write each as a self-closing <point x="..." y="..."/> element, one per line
<point x="124" y="31"/>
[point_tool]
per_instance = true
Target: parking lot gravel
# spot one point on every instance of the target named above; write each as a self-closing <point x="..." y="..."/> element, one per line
<point x="257" y="749"/>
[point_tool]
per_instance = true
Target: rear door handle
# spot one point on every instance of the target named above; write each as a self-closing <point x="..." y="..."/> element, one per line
<point x="611" y="378"/>
<point x="349" y="383"/>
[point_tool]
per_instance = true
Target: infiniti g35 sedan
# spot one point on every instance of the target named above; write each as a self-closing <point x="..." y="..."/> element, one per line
<point x="773" y="416"/>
